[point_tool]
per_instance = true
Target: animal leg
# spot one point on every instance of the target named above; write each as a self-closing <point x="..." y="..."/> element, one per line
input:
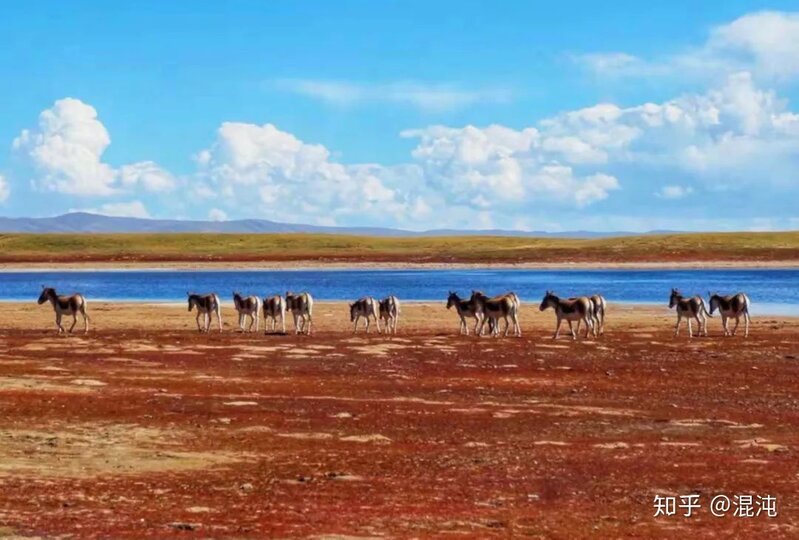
<point x="377" y="322"/>
<point x="557" y="329"/>
<point x="310" y="321"/>
<point x="571" y="328"/>
<point x="589" y="327"/>
<point x="677" y="326"/>
<point x="85" y="319"/>
<point x="197" y="319"/>
<point x="58" y="323"/>
<point x="746" y="323"/>
<point x="218" y="319"/>
<point x="74" y="322"/>
<point x="690" y="329"/>
<point x="737" y="322"/>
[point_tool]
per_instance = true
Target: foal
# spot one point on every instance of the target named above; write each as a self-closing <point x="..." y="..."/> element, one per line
<point x="66" y="305"/>
<point x="690" y="308"/>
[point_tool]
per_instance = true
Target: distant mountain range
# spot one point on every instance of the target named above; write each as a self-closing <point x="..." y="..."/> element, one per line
<point x="82" y="222"/>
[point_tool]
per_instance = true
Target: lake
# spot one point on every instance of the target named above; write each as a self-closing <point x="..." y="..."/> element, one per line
<point x="773" y="291"/>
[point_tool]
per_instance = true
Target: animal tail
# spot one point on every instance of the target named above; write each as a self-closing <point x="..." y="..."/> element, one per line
<point x="748" y="302"/>
<point x="83" y="309"/>
<point x="704" y="308"/>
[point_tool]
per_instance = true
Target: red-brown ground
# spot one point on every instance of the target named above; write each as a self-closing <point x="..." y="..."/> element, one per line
<point x="156" y="431"/>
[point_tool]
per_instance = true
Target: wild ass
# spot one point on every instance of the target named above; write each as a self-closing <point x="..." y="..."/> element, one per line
<point x="499" y="307"/>
<point x="733" y="306"/>
<point x="301" y="307"/>
<point x="598" y="313"/>
<point x="690" y="308"/>
<point x="368" y="308"/>
<point x="390" y="311"/>
<point x="249" y="306"/>
<point x="206" y="305"/>
<point x="66" y="305"/>
<point x="578" y="309"/>
<point x="275" y="306"/>
<point x="465" y="308"/>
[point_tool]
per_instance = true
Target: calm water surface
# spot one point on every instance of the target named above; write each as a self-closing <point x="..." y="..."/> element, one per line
<point x="773" y="291"/>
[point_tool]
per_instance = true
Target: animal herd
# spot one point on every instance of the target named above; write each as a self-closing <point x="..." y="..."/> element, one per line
<point x="487" y="312"/>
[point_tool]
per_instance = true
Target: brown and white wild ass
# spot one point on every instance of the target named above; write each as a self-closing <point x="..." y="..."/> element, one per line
<point x="578" y="309"/>
<point x="66" y="305"/>
<point x="598" y="313"/>
<point x="689" y="308"/>
<point x="206" y="305"/>
<point x="733" y="306"/>
<point x="248" y="306"/>
<point x="464" y="309"/>
<point x="390" y="311"/>
<point x="496" y="308"/>
<point x="368" y="308"/>
<point x="301" y="307"/>
<point x="275" y="307"/>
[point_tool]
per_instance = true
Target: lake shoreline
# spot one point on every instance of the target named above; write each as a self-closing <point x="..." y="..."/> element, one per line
<point x="379" y="265"/>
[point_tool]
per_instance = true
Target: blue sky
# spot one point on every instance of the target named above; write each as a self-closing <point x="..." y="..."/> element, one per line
<point x="540" y="116"/>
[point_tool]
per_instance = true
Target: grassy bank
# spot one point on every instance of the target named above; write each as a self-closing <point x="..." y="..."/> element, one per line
<point x="43" y="248"/>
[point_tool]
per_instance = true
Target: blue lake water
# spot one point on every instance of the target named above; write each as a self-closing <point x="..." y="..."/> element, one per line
<point x="772" y="291"/>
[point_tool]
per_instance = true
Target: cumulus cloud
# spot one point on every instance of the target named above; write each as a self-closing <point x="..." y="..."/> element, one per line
<point x="148" y="175"/>
<point x="5" y="191"/>
<point x="763" y="43"/>
<point x="272" y="172"/>
<point x="430" y="97"/>
<point x="66" y="151"/>
<point x="66" y="148"/>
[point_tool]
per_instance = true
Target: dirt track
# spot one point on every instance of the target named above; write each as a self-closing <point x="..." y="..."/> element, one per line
<point x="157" y="431"/>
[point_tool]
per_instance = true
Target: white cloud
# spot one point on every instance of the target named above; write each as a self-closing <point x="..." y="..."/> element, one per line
<point x="135" y="209"/>
<point x="215" y="214"/>
<point x="147" y="174"/>
<point x="5" y="191"/>
<point x="274" y="174"/>
<point x="430" y="97"/>
<point x="66" y="151"/>
<point x="763" y="43"/>
<point x="674" y="192"/>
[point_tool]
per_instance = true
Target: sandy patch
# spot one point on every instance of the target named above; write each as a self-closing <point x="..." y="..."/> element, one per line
<point x="35" y="384"/>
<point x="88" y="450"/>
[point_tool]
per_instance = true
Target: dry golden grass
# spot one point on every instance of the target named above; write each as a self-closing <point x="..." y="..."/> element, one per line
<point x="777" y="246"/>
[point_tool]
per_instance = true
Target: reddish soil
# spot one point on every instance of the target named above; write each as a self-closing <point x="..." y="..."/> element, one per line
<point x="155" y="432"/>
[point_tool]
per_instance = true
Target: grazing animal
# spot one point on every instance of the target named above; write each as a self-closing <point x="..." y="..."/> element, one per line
<point x="733" y="306"/>
<point x="690" y="308"/>
<point x="368" y="308"/>
<point x="598" y="313"/>
<point x="465" y="308"/>
<point x="206" y="305"/>
<point x="499" y="307"/>
<point x="578" y="309"/>
<point x="275" y="306"/>
<point x="301" y="307"/>
<point x="66" y="305"/>
<point x="249" y="306"/>
<point x="390" y="311"/>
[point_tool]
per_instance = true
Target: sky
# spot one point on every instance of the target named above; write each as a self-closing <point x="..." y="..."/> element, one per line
<point x="556" y="116"/>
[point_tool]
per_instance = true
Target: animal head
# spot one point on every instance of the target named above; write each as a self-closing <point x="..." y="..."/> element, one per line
<point x="47" y="293"/>
<point x="549" y="300"/>
<point x="191" y="300"/>
<point x="236" y="297"/>
<point x="674" y="298"/>
<point x="452" y="299"/>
